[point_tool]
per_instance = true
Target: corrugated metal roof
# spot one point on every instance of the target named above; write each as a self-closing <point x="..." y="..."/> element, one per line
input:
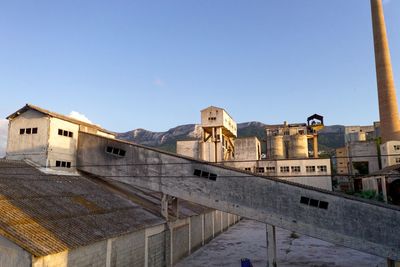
<point x="47" y="214"/>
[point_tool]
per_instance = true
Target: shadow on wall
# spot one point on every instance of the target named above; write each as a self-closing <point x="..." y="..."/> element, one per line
<point x="3" y="136"/>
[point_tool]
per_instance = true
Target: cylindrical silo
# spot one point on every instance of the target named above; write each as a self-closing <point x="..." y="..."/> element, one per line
<point x="298" y="146"/>
<point x="277" y="147"/>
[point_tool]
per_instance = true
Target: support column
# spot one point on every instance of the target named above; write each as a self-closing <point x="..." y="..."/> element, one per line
<point x="164" y="206"/>
<point x="271" y="245"/>
<point x="315" y="146"/>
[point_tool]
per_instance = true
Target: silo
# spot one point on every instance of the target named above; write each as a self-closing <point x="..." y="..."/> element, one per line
<point x="277" y="147"/>
<point x="298" y="146"/>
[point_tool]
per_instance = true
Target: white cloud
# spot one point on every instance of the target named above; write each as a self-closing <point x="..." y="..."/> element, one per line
<point x="79" y="116"/>
<point x="158" y="82"/>
<point x="3" y="136"/>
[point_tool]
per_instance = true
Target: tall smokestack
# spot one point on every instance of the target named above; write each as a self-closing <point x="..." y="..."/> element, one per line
<point x="388" y="110"/>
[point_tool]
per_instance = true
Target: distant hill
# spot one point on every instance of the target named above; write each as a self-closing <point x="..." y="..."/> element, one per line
<point x="330" y="138"/>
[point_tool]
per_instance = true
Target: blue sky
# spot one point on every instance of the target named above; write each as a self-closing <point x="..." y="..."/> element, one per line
<point x="156" y="64"/>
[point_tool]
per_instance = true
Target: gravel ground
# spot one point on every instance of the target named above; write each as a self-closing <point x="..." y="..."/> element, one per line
<point x="247" y="240"/>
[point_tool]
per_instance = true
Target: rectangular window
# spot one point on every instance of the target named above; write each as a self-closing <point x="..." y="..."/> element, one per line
<point x="34" y="130"/>
<point x="60" y="132"/>
<point x="322" y="168"/>
<point x="63" y="164"/>
<point x="247" y="169"/>
<point x="284" y="168"/>
<point x="22" y="131"/>
<point x="58" y="163"/>
<point x="310" y="168"/>
<point x="260" y="169"/>
<point x="115" y="151"/>
<point x="270" y="169"/>
<point x="28" y="130"/>
<point x="397" y="160"/>
<point x="68" y="164"/>
<point x="70" y="134"/>
<point x="295" y="168"/>
<point x="396" y="147"/>
<point x="65" y="133"/>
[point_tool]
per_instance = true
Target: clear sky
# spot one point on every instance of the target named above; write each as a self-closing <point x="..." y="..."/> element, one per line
<point x="156" y="64"/>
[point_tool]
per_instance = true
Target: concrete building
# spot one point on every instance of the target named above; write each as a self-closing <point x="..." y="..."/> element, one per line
<point x="390" y="153"/>
<point x="288" y="158"/>
<point x="46" y="138"/>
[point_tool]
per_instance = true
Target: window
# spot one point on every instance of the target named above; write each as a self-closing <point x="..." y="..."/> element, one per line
<point x="260" y="169"/>
<point x="247" y="169"/>
<point x="63" y="164"/>
<point x="204" y="174"/>
<point x="314" y="203"/>
<point x="212" y="118"/>
<point x="34" y="130"/>
<point x="322" y="168"/>
<point x="270" y="169"/>
<point x="65" y="133"/>
<point x="284" y="168"/>
<point x="28" y="130"/>
<point x="115" y="151"/>
<point x="397" y="160"/>
<point x="310" y="168"/>
<point x="21" y="131"/>
<point x="295" y="168"/>
<point x="396" y="147"/>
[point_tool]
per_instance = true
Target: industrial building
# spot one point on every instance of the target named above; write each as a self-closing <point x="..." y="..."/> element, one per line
<point x="287" y="155"/>
<point x="56" y="215"/>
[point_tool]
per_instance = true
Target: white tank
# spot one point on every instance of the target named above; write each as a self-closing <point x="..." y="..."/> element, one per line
<point x="277" y="147"/>
<point x="298" y="146"/>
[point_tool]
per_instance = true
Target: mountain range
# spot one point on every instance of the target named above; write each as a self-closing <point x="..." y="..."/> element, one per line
<point x="330" y="138"/>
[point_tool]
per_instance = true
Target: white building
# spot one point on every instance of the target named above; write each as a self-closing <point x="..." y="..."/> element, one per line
<point x="46" y="138"/>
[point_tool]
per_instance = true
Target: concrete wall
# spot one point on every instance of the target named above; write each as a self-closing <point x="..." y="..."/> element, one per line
<point x="62" y="148"/>
<point x="247" y="149"/>
<point x="128" y="250"/>
<point x="188" y="148"/>
<point x="222" y="119"/>
<point x="28" y="146"/>
<point x="12" y="255"/>
<point x="342" y="161"/>
<point x="364" y="151"/>
<point x="314" y="212"/>
<point x="390" y="153"/>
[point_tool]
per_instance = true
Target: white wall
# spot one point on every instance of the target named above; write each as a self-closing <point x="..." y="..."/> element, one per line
<point x="3" y="136"/>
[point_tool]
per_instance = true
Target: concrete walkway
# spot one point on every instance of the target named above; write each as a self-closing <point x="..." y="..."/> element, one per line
<point x="247" y="240"/>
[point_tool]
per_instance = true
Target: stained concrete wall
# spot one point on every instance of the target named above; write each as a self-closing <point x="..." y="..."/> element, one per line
<point x="188" y="148"/>
<point x="180" y="242"/>
<point x="12" y="255"/>
<point x="333" y="217"/>
<point x="128" y="250"/>
<point x="28" y="146"/>
<point x="247" y="148"/>
<point x="196" y="234"/>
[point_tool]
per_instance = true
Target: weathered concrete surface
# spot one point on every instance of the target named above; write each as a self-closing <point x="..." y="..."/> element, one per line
<point x="340" y="219"/>
<point x="247" y="240"/>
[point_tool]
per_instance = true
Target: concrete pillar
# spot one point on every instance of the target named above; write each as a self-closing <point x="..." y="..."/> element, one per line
<point x="388" y="109"/>
<point x="271" y="245"/>
<point x="175" y="207"/>
<point x="164" y="206"/>
<point x="392" y="263"/>
<point x="315" y="146"/>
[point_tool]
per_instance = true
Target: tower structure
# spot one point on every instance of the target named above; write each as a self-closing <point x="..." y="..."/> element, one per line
<point x="388" y="109"/>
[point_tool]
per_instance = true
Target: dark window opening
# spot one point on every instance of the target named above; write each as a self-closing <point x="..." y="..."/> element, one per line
<point x="21" y="131"/>
<point x="65" y="133"/>
<point x="197" y="172"/>
<point x="314" y="203"/>
<point x="204" y="174"/>
<point x="122" y="153"/>
<point x="70" y="134"/>
<point x="60" y="132"/>
<point x="63" y="164"/>
<point x="28" y="130"/>
<point x="58" y="163"/>
<point x="34" y="130"/>
<point x="109" y="149"/>
<point x="323" y="205"/>
<point x="68" y="164"/>
<point x="213" y="176"/>
<point x="115" y="151"/>
<point x="304" y="200"/>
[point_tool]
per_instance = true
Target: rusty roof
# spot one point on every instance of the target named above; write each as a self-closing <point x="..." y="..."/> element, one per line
<point x="56" y="115"/>
<point x="46" y="214"/>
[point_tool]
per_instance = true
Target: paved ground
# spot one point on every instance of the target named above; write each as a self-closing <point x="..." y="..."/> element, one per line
<point x="247" y="240"/>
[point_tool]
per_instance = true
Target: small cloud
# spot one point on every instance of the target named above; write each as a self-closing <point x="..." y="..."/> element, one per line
<point x="79" y="116"/>
<point x="3" y="136"/>
<point x="158" y="82"/>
